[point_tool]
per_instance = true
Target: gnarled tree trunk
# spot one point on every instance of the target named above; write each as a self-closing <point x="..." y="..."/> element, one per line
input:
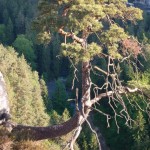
<point x="41" y="133"/>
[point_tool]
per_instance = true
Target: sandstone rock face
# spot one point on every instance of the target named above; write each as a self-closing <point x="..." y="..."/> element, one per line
<point x="4" y="105"/>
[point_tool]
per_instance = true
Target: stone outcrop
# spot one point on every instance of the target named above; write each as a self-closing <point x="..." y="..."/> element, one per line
<point x="4" y="106"/>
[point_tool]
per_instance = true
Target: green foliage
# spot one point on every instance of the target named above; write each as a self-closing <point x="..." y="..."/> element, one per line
<point x="128" y="137"/>
<point x="87" y="18"/>
<point x="9" y="32"/>
<point x="13" y="8"/>
<point x="25" y="47"/>
<point x="142" y="81"/>
<point x="57" y="119"/>
<point x="126" y="72"/>
<point x="53" y="145"/>
<point x="139" y="127"/>
<point x="107" y="21"/>
<point x="81" y="16"/>
<point x="30" y="145"/>
<point x="87" y="140"/>
<point x="2" y="33"/>
<point x="23" y="88"/>
<point x="5" y="16"/>
<point x="76" y="52"/>
<point x="146" y="64"/>
<point x="56" y="61"/>
<point x="140" y="133"/>
<point x="65" y="115"/>
<point x="111" y="39"/>
<point x="44" y="93"/>
<point x="43" y="38"/>
<point x="50" y="65"/>
<point x="59" y="98"/>
<point x="142" y="29"/>
<point x="101" y="17"/>
<point x="44" y="59"/>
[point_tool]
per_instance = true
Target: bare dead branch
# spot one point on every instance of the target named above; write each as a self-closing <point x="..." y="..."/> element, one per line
<point x="99" y="69"/>
<point x="77" y="95"/>
<point x="99" y="144"/>
<point x="125" y="58"/>
<point x="73" y="139"/>
<point x="75" y="73"/>
<point x="110" y="93"/>
<point x="72" y="35"/>
<point x="107" y="115"/>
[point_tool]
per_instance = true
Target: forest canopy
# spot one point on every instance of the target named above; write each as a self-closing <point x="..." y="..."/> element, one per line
<point x="106" y="43"/>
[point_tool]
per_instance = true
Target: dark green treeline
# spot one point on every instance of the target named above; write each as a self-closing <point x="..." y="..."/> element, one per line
<point x="16" y="30"/>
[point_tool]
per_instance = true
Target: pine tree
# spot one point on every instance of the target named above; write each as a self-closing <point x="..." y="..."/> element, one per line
<point x="5" y="16"/>
<point x="9" y="30"/>
<point x="25" y="47"/>
<point x="2" y="33"/>
<point x="23" y="88"/>
<point x="59" y="98"/>
<point x="20" y="22"/>
<point x="77" y="21"/>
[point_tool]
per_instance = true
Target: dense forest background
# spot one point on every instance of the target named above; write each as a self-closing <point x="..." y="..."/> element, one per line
<point x="28" y="66"/>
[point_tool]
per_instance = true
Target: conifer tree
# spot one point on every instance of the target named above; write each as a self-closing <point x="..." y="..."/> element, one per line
<point x="25" y="47"/>
<point x="9" y="31"/>
<point x="23" y="89"/>
<point x="77" y="21"/>
<point x="2" y="33"/>
<point x="5" y="16"/>
<point x="59" y="97"/>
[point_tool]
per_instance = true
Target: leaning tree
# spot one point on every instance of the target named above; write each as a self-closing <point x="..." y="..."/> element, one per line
<point x="78" y="21"/>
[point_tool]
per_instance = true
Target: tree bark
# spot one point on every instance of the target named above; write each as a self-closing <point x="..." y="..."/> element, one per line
<point x="23" y="132"/>
<point x="86" y="87"/>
